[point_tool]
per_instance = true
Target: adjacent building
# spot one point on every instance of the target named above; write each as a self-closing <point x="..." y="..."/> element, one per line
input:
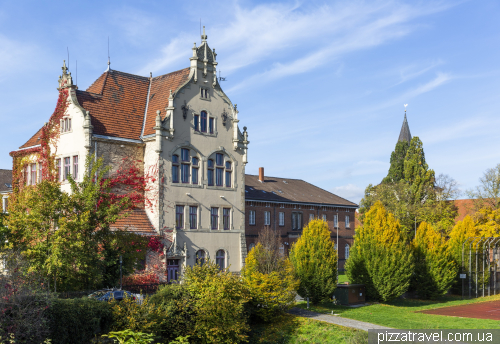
<point x="5" y="187"/>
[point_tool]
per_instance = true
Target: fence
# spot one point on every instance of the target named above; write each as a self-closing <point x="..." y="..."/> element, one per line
<point x="480" y="273"/>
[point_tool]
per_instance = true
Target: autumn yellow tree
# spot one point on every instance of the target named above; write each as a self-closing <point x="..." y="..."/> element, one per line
<point x="273" y="292"/>
<point x="380" y="258"/>
<point x="315" y="261"/>
<point x="435" y="268"/>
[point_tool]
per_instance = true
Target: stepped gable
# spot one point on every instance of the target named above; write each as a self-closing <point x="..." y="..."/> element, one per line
<point x="405" y="134"/>
<point x="34" y="140"/>
<point x="291" y="191"/>
<point x="159" y="94"/>
<point x="119" y="110"/>
<point x="137" y="221"/>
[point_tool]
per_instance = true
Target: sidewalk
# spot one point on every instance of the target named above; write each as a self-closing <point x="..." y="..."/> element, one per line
<point x="332" y="319"/>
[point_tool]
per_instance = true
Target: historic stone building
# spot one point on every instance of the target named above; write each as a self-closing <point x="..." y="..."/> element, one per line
<point x="183" y="128"/>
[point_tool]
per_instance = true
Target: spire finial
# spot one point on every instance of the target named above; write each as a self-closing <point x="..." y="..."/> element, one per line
<point x="64" y="68"/>
<point x="405" y="108"/>
<point x="204" y="36"/>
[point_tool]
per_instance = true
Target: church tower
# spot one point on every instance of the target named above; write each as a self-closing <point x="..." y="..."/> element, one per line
<point x="405" y="134"/>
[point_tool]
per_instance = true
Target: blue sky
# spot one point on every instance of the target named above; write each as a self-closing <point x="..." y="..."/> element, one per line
<point x="320" y="85"/>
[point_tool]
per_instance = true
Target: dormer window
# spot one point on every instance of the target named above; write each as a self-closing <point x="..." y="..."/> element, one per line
<point x="204" y="93"/>
<point x="66" y="125"/>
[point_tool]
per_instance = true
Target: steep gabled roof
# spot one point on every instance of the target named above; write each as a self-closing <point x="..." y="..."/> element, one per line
<point x="405" y="134"/>
<point x="159" y="93"/>
<point x="290" y="191"/>
<point x="119" y="110"/>
<point x="34" y="140"/>
<point x="137" y="221"/>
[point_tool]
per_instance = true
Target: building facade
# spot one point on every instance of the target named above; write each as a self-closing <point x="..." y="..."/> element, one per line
<point x="287" y="205"/>
<point x="5" y="187"/>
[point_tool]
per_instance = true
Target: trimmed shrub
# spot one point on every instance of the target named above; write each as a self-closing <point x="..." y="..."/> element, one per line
<point x="315" y="261"/>
<point x="78" y="320"/>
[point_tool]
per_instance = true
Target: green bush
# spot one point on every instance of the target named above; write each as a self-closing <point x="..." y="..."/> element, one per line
<point x="78" y="320"/>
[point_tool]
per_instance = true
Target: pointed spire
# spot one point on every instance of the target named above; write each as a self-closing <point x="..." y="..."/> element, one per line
<point x="64" y="68"/>
<point x="405" y="134"/>
<point x="109" y="65"/>
<point x="204" y="36"/>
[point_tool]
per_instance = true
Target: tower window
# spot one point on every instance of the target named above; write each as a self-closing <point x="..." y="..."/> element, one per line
<point x="210" y="172"/>
<point x="203" y="123"/>
<point x="175" y="169"/>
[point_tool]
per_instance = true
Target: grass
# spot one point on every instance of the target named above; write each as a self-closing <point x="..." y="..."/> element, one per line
<point x="403" y="313"/>
<point x="291" y="329"/>
<point x="342" y="277"/>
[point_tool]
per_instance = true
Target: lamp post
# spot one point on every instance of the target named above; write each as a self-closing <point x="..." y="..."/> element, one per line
<point x="338" y="247"/>
<point x="121" y="261"/>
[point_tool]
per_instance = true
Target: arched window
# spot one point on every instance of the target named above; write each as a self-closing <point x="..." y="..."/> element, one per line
<point x="210" y="172"/>
<point x="203" y="123"/>
<point x="200" y="257"/>
<point x="175" y="169"/>
<point x="220" y="259"/>
<point x="282" y="250"/>
<point x="346" y="252"/>
<point x="251" y="247"/>
<point x="220" y="171"/>
<point x="185" y="168"/>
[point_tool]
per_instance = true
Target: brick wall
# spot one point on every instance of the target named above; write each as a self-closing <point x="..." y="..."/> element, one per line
<point x="290" y="235"/>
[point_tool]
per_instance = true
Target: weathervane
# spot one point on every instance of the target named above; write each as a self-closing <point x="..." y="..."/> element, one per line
<point x="406" y="106"/>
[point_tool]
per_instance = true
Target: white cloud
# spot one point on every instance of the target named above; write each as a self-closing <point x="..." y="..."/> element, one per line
<point x="350" y="192"/>
<point x="439" y="80"/>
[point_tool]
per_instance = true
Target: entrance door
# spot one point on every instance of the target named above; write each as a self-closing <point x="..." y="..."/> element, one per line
<point x="172" y="270"/>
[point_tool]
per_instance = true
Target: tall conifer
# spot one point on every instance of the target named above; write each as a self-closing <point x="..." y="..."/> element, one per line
<point x="396" y="170"/>
<point x="380" y="258"/>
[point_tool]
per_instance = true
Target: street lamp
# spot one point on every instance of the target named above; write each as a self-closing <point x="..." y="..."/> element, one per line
<point x="121" y="261"/>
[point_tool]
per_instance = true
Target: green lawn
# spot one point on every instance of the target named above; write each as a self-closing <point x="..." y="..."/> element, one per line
<point x="290" y="329"/>
<point x="403" y="314"/>
<point x="342" y="277"/>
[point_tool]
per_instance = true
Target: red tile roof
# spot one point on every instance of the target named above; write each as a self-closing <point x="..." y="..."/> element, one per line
<point x="465" y="207"/>
<point x="119" y="110"/>
<point x="137" y="221"/>
<point x="158" y="96"/>
<point x="290" y="191"/>
<point x="34" y="140"/>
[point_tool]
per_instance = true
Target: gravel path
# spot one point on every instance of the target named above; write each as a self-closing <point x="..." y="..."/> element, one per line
<point x="333" y="319"/>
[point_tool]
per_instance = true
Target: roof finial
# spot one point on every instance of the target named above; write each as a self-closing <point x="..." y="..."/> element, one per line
<point x="64" y="68"/>
<point x="204" y="36"/>
<point x="405" y="109"/>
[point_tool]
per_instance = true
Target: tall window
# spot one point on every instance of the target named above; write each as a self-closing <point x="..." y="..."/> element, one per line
<point x="197" y="122"/>
<point x="67" y="167"/>
<point x="75" y="167"/>
<point x="193" y="217"/>
<point x="251" y="246"/>
<point x="33" y="174"/>
<point x="58" y="165"/>
<point x="226" y="218"/>
<point x="210" y="172"/>
<point x="296" y="220"/>
<point x="220" y="259"/>
<point x="214" y="218"/>
<point x="184" y="165"/>
<point x="347" y="225"/>
<point x="251" y="217"/>
<point x="346" y="252"/>
<point x="228" y="174"/>
<point x="324" y="217"/>
<point x="311" y="217"/>
<point x="179" y="216"/>
<point x="335" y="221"/>
<point x="194" y="171"/>
<point x="211" y="125"/>
<point x="200" y="257"/>
<point x="267" y="218"/>
<point x="65" y="124"/>
<point x="175" y="168"/>
<point x="203" y="123"/>
<point x="39" y="169"/>
<point x="282" y="250"/>
<point x="281" y="219"/>
<point x="219" y="171"/>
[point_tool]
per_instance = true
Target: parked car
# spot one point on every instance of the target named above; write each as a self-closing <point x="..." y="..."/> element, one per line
<point x="113" y="294"/>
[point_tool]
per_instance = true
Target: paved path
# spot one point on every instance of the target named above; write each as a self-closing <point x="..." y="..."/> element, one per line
<point x="333" y="319"/>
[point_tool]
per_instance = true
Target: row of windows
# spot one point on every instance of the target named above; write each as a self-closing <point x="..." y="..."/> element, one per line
<point x="201" y="121"/>
<point x="220" y="258"/>
<point x="69" y="166"/>
<point x="296" y="219"/>
<point x="193" y="217"/>
<point x="282" y="249"/>
<point x="65" y="125"/>
<point x="185" y="169"/>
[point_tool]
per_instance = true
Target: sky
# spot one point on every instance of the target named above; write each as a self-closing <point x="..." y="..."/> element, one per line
<point x="320" y="85"/>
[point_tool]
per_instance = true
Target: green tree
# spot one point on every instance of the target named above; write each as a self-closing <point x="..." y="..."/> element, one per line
<point x="381" y="257"/>
<point x="67" y="236"/>
<point x="315" y="261"/>
<point x="417" y="173"/>
<point x="218" y="299"/>
<point x="396" y="170"/>
<point x="487" y="194"/>
<point x="272" y="292"/>
<point x="435" y="268"/>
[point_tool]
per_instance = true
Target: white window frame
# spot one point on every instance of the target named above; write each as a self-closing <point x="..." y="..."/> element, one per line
<point x="347" y="223"/>
<point x="311" y="217"/>
<point x="335" y="221"/>
<point x="346" y="251"/>
<point x="281" y="218"/>
<point x="324" y="217"/>
<point x="267" y="218"/>
<point x="251" y="217"/>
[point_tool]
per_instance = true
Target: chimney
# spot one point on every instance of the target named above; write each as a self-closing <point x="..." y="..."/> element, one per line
<point x="261" y="174"/>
